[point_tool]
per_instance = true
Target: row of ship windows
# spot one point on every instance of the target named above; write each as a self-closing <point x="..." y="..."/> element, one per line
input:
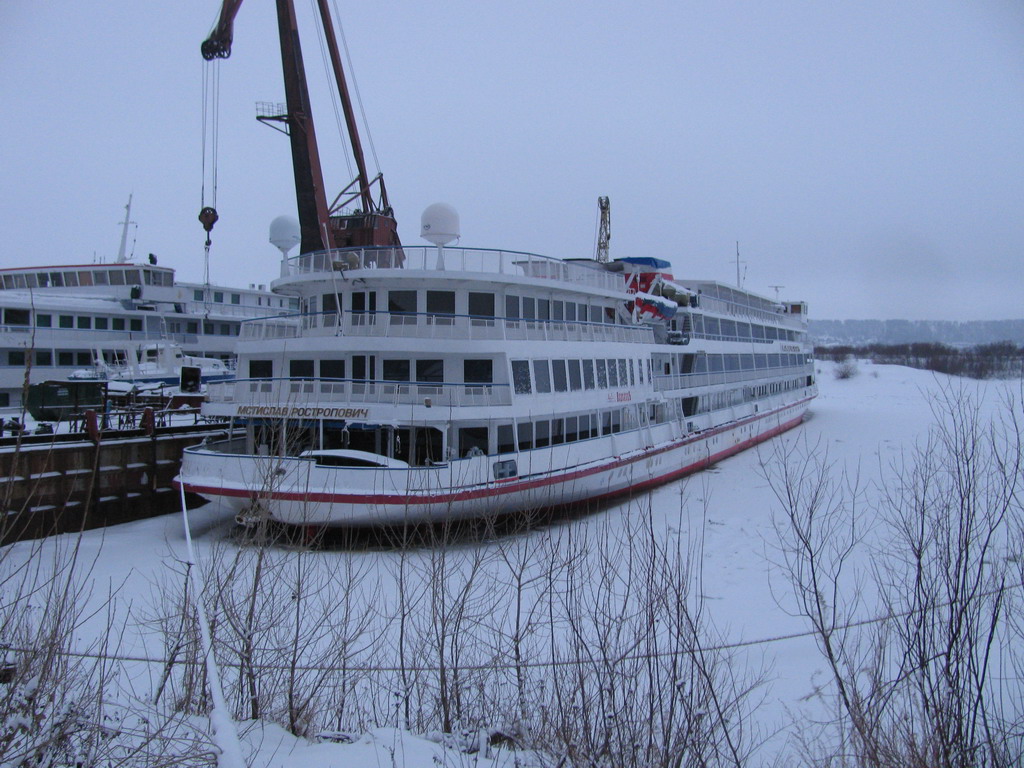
<point x="81" y="358"/>
<point x="364" y="368"/>
<point x="715" y="401"/>
<point x="22" y="317"/>
<point x="478" y="305"/>
<point x="86" y="277"/>
<point x="576" y="375"/>
<point x="217" y="297"/>
<point x="717" y="363"/>
<point x="733" y="330"/>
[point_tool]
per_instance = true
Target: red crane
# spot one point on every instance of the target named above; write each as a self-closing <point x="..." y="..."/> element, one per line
<point x="321" y="225"/>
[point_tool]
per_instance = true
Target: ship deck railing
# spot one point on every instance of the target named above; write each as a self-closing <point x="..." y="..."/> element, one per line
<point x="676" y="381"/>
<point x="467" y="260"/>
<point x="422" y="325"/>
<point x="321" y="392"/>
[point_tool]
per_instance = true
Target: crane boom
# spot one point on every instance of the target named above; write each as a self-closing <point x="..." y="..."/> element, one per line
<point x="218" y="44"/>
<point x="321" y="225"/>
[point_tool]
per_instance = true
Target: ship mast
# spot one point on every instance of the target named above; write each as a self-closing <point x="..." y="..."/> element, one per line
<point x="321" y="225"/>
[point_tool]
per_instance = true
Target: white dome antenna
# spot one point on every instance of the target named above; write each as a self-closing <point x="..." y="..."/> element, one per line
<point x="284" y="234"/>
<point x="439" y="225"/>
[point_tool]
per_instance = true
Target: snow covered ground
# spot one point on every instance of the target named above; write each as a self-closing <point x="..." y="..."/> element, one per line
<point x="865" y="421"/>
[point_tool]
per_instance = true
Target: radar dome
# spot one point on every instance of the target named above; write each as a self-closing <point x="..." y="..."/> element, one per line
<point x="284" y="233"/>
<point x="439" y="224"/>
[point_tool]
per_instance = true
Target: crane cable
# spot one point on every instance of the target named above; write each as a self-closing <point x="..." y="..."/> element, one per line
<point x="211" y="132"/>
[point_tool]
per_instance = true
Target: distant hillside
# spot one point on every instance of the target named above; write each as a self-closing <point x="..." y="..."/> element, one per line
<point x="910" y="331"/>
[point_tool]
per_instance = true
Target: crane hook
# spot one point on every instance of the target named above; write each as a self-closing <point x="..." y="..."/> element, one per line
<point x="208" y="217"/>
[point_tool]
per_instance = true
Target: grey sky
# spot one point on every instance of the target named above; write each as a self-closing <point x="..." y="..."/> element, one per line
<point x="869" y="156"/>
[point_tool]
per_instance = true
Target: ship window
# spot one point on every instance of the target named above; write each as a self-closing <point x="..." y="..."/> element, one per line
<point x="218" y="297"/>
<point x="472" y="441"/>
<point x="623" y="376"/>
<point x="746" y="362"/>
<point x="524" y="431"/>
<point x="30" y="280"/>
<point x="503" y="470"/>
<point x="16" y="357"/>
<point x="395" y="370"/>
<point x="361" y="367"/>
<point x="542" y="375"/>
<point x="575" y="377"/>
<point x="559" y="375"/>
<point x="715" y="363"/>
<point x="758" y="331"/>
<point x="441" y="306"/>
<point x="571" y="435"/>
<point x="66" y="321"/>
<point x="300" y="369"/>
<point x="761" y="361"/>
<point x="225" y="329"/>
<point x="609" y="315"/>
<point x="236" y="298"/>
<point x="557" y="431"/>
<point x="44" y="321"/>
<point x="602" y="375"/>
<point x="732" y="362"/>
<point x="506" y="439"/>
<point x="521" y="377"/>
<point x="83" y="358"/>
<point x="66" y="358"/>
<point x="771" y="332"/>
<point x="570" y="312"/>
<point x="613" y="374"/>
<point x="512" y="307"/>
<point x="102" y="323"/>
<point x="207" y="327"/>
<point x="99" y="277"/>
<point x="131" y="277"/>
<point x="632" y="376"/>
<point x="711" y="327"/>
<point x="197" y="295"/>
<point x="581" y="313"/>
<point x="261" y="369"/>
<point x="542" y="434"/>
<point x="728" y="328"/>
<point x="478" y="371"/>
<point x="743" y="331"/>
<point x="44" y="279"/>
<point x="543" y="309"/>
<point x="191" y="326"/>
<point x="430" y="371"/>
<point x="588" y="374"/>
<point x="16" y="316"/>
<point x="71" y="279"/>
<point x="481" y="304"/>
<point x="57" y="279"/>
<point x="44" y="357"/>
<point x="402" y="304"/>
<point x="529" y="308"/>
<point x="332" y="369"/>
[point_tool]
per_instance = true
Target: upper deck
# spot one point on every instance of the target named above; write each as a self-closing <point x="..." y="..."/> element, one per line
<point x="448" y="263"/>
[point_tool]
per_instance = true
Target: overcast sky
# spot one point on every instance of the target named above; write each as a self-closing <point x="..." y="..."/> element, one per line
<point x="868" y="156"/>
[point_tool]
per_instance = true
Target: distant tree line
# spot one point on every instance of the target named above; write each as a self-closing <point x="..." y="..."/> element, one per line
<point x="957" y="332"/>
<point x="1000" y="359"/>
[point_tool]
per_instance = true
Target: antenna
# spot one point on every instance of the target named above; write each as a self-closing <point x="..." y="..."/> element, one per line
<point x="122" y="256"/>
<point x="739" y="279"/>
<point x="777" y="288"/>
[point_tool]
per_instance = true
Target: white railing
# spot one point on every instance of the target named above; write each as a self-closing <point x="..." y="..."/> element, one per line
<point x="431" y="326"/>
<point x="690" y="380"/>
<point x="479" y="260"/>
<point x="333" y="392"/>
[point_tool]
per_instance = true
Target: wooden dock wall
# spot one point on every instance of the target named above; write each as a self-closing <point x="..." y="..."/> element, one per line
<point x="61" y="484"/>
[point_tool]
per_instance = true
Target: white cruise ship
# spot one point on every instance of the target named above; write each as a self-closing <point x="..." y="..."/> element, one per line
<point x="60" y="319"/>
<point x="435" y="383"/>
